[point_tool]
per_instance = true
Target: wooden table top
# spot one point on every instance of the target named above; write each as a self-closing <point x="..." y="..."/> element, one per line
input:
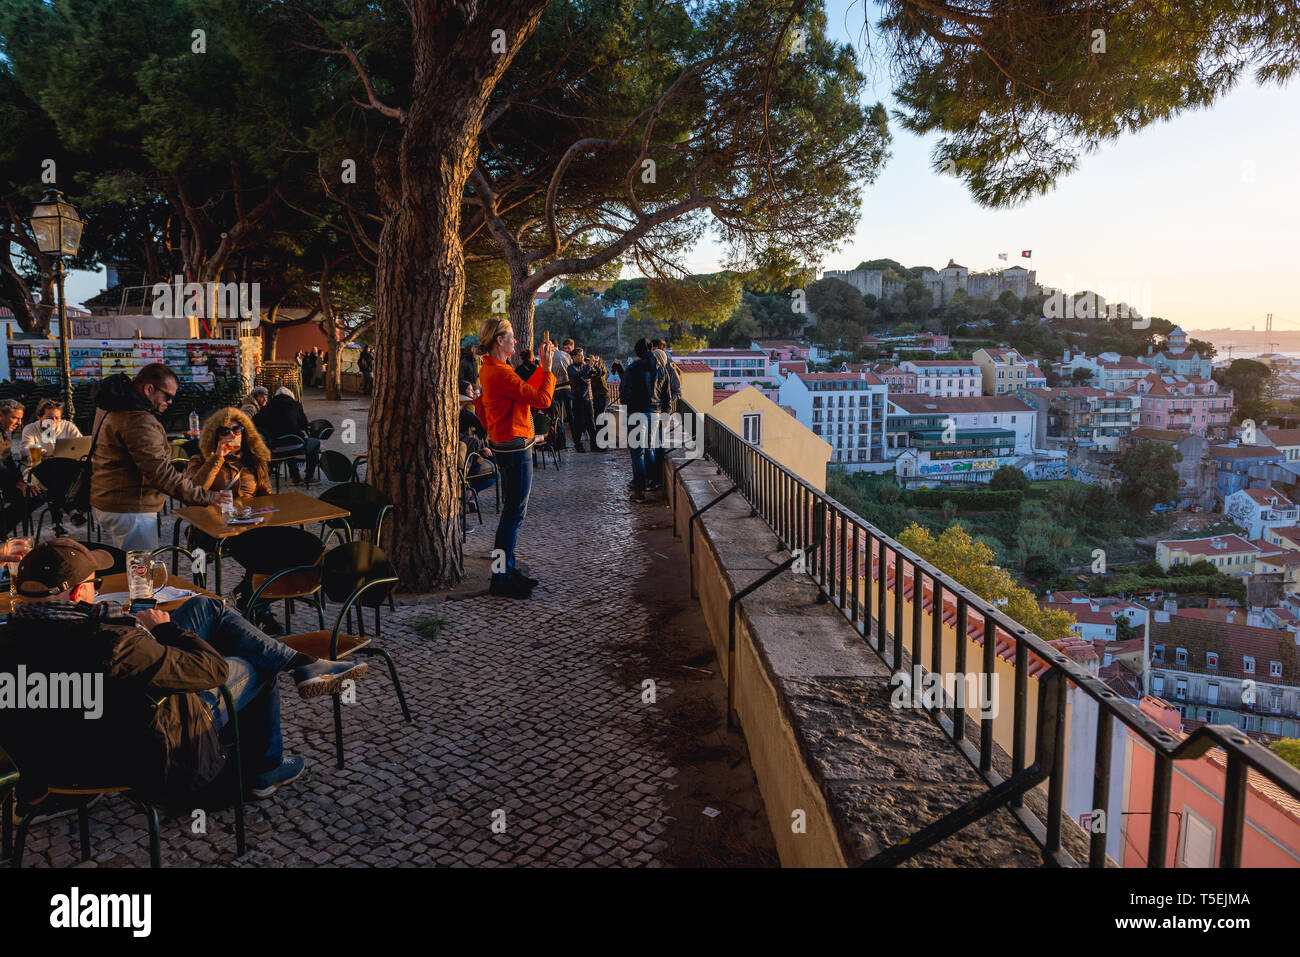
<point x="294" y="508"/>
<point x="117" y="583"/>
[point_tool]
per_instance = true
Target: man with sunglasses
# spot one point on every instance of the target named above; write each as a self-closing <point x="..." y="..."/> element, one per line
<point x="131" y="469"/>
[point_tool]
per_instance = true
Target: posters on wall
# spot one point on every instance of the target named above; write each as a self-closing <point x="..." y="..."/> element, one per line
<point x="199" y="361"/>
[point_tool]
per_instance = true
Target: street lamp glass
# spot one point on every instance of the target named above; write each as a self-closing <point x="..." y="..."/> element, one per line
<point x="56" y="225"/>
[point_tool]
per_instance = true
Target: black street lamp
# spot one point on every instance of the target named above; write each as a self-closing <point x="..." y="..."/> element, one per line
<point x="57" y="229"/>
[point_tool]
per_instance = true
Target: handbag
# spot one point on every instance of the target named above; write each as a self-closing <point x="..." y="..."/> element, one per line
<point x="78" y="495"/>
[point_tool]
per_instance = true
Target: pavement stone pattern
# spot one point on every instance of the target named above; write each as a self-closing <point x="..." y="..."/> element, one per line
<point x="527" y="715"/>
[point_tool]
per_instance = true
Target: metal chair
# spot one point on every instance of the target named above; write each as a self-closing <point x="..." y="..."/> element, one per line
<point x="335" y="466"/>
<point x="56" y="476"/>
<point x="476" y="466"/>
<point x="320" y="429"/>
<point x="543" y="425"/>
<point x="265" y="552"/>
<point x="286" y="449"/>
<point x="356" y="574"/>
<point x="146" y="805"/>
<point x="368" y="506"/>
<point x="198" y="569"/>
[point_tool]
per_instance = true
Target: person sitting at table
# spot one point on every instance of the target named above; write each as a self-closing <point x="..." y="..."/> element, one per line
<point x="20" y="499"/>
<point x="284" y="415"/>
<point x="49" y="427"/>
<point x="256" y="401"/>
<point x="165" y="749"/>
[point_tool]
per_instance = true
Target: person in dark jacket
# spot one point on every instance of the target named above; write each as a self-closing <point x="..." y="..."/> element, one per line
<point x="309" y="360"/>
<point x="20" y="499"/>
<point x="584" y="417"/>
<point x="527" y="365"/>
<point x="138" y="698"/>
<point x="366" y="363"/>
<point x="645" y="393"/>
<point x="284" y="416"/>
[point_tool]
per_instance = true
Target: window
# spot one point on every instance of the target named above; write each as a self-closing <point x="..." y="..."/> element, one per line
<point x="751" y="427"/>
<point x="1213" y="694"/>
<point x="1248" y="665"/>
<point x="1180" y="656"/>
<point x="1245" y="722"/>
<point x="1180" y="688"/>
<point x="1275" y="669"/>
<point x="1275" y="701"/>
<point x="1212" y="660"/>
<point x="1158" y="652"/>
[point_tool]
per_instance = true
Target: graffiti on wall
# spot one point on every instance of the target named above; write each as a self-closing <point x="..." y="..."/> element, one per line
<point x="986" y="465"/>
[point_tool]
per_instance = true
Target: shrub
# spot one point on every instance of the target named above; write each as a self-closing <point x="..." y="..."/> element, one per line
<point x="1008" y="477"/>
<point x="975" y="500"/>
<point x="888" y="494"/>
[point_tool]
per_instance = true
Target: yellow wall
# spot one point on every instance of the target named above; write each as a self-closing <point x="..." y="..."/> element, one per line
<point x="783" y="437"/>
<point x="988" y="370"/>
<point x="1169" y="557"/>
<point x="697" y="389"/>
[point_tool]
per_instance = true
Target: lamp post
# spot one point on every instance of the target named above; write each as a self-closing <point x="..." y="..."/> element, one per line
<point x="57" y="229"/>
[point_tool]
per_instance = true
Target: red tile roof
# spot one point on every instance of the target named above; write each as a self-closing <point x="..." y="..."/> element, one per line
<point x="1205" y="546"/>
<point x="1243" y="451"/>
<point x="1120" y="680"/>
<point x="692" y="367"/>
<point x="1081" y="612"/>
<point x="1266" y="496"/>
<point x="1283" y="437"/>
<point x="866" y="378"/>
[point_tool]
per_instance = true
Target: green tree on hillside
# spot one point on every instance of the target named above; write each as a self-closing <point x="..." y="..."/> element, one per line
<point x="1149" y="477"/>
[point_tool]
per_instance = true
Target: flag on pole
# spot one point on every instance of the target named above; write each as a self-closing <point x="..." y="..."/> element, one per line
<point x="1026" y="254"/>
<point x="1002" y="256"/>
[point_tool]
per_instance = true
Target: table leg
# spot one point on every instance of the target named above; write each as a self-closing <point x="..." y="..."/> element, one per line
<point x="220" y="591"/>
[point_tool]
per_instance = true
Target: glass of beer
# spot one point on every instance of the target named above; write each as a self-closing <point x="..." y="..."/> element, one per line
<point x="15" y="550"/>
<point x="141" y="569"/>
<point x="35" y="453"/>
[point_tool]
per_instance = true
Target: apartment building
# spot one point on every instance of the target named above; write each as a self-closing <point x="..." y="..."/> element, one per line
<point x="1259" y="510"/>
<point x="944" y="378"/>
<point x="846" y="409"/>
<point x="1223" y="673"/>
<point x="1184" y="404"/>
<point x="1177" y="358"/>
<point x="736" y="368"/>
<point x="1002" y="371"/>
<point x="1286" y="441"/>
<point x="1231" y="465"/>
<point x="1082" y="415"/>
<point x="1230" y="554"/>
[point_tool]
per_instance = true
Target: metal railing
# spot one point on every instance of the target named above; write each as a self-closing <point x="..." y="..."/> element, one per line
<point x="827" y="534"/>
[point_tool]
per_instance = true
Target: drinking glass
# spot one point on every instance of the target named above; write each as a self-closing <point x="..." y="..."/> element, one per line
<point x="15" y="549"/>
<point x="140" y="574"/>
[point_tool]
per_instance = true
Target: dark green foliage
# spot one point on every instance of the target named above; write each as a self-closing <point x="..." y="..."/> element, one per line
<point x="1009" y="478"/>
<point x="976" y="500"/>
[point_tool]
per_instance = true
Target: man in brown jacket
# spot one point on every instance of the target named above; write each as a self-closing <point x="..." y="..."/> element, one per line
<point x="131" y="472"/>
<point x="146" y="695"/>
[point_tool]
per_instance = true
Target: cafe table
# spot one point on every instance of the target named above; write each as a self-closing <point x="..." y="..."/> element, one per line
<point x="291" y="508"/>
<point x="112" y="584"/>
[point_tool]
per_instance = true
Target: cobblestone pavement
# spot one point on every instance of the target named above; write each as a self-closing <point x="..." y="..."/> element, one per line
<point x="526" y="714"/>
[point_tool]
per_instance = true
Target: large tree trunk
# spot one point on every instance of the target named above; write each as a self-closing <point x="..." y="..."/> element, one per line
<point x="420" y="279"/>
<point x="521" y="317"/>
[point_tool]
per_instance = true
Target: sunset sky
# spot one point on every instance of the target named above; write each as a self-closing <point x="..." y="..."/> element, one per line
<point x="1198" y="216"/>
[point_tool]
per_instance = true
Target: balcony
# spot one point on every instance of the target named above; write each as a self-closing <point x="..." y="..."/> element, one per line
<point x="751" y="526"/>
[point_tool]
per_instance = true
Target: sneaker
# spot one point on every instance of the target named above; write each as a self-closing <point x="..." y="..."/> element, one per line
<point x="510" y="588"/>
<point x="638" y="497"/>
<point x="325" y="677"/>
<point x="290" y="770"/>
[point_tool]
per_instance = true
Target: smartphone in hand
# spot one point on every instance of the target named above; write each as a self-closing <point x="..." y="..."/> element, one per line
<point x="140" y="604"/>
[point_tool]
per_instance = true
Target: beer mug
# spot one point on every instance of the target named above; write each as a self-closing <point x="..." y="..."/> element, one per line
<point x="140" y="578"/>
<point x="35" y="453"/>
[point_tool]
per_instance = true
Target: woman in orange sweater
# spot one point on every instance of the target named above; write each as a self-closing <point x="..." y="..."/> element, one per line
<point x="505" y="407"/>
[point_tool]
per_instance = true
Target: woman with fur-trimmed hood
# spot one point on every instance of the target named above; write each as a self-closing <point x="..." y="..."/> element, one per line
<point x="230" y="447"/>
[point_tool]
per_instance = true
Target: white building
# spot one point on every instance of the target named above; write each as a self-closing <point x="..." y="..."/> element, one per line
<point x="946" y="378"/>
<point x="936" y="439"/>
<point x="1258" y="509"/>
<point x="736" y="368"/>
<point x="846" y="409"/>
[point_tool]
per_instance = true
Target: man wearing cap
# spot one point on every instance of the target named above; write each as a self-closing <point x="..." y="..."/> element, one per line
<point x="160" y="674"/>
<point x="256" y="401"/>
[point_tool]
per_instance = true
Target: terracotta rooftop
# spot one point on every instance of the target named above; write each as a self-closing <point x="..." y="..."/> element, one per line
<point x="866" y="378"/>
<point x="1268" y="496"/>
<point x="1232" y="544"/>
<point x="1232" y="643"/>
<point x="1244" y="452"/>
<point x="919" y="404"/>
<point x="1283" y="437"/>
<point x="692" y="367"/>
<point x="1120" y="680"/>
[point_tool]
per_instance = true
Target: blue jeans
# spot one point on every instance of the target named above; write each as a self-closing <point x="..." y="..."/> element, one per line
<point x="516" y="471"/>
<point x="129" y="531"/>
<point x="252" y="662"/>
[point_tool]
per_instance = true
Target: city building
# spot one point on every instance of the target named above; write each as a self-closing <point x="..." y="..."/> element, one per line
<point x="935" y="439"/>
<point x="1083" y="416"/>
<point x="1224" y="673"/>
<point x="777" y="431"/>
<point x="1034" y="378"/>
<point x="1002" y="371"/>
<point x="944" y="378"/>
<point x="1231" y="465"/>
<point x="1286" y="441"/>
<point x="736" y="368"/>
<point x="1232" y="555"/>
<point x="1178" y="359"/>
<point x="898" y="380"/>
<point x="1183" y="404"/>
<point x="1260" y="509"/>
<point x="846" y="409"/>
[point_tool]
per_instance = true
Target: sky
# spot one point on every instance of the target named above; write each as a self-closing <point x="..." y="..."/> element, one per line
<point x="1198" y="216"/>
<point x="1196" y="219"/>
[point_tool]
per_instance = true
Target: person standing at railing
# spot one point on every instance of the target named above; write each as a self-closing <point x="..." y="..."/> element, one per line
<point x="645" y="393"/>
<point x="505" y="407"/>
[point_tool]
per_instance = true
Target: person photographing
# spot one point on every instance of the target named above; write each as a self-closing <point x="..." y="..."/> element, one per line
<point x="505" y="407"/>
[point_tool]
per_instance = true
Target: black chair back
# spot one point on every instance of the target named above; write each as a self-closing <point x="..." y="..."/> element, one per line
<point x="119" y="558"/>
<point x="335" y="466"/>
<point x="265" y="551"/>
<point x="320" y="428"/>
<point x="349" y="566"/>
<point x="366" y="504"/>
